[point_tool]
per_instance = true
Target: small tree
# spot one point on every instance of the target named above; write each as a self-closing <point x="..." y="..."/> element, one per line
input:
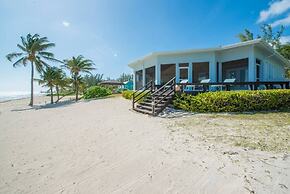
<point x="125" y="77"/>
<point x="246" y="36"/>
<point x="92" y="80"/>
<point x="48" y="79"/>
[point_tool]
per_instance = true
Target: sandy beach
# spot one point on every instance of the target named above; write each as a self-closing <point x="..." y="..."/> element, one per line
<point x="101" y="146"/>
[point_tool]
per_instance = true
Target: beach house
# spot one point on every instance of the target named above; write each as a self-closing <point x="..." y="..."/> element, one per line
<point x="251" y="61"/>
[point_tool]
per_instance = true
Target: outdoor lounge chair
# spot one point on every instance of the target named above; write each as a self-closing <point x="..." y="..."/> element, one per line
<point x="220" y="87"/>
<point x="197" y="88"/>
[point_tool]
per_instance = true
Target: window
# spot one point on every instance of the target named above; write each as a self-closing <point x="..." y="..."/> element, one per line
<point x="258" y="70"/>
<point x="150" y="74"/>
<point x="167" y="72"/>
<point x="183" y="71"/>
<point x="200" y="71"/>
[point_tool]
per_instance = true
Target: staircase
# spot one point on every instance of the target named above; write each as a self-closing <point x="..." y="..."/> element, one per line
<point x="149" y="100"/>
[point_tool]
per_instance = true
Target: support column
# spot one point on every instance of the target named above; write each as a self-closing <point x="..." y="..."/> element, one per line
<point x="143" y="76"/>
<point x="212" y="69"/>
<point x="158" y="74"/>
<point x="251" y="65"/>
<point x="177" y="73"/>
<point x="190" y="72"/>
<point x="220" y="72"/>
<point x="134" y="80"/>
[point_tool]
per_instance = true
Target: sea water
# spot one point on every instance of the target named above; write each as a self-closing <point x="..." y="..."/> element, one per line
<point x="7" y="96"/>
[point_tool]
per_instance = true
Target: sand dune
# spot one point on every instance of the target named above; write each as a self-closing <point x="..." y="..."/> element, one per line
<point x="101" y="146"/>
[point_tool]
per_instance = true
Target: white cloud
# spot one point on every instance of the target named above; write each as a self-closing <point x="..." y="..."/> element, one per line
<point x="65" y="23"/>
<point x="115" y="55"/>
<point x="285" y="39"/>
<point x="284" y="22"/>
<point x="275" y="8"/>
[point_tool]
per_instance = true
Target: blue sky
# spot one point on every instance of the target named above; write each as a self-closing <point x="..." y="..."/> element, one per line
<point x="114" y="32"/>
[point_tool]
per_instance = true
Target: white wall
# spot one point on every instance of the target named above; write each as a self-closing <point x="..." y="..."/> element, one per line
<point x="271" y="68"/>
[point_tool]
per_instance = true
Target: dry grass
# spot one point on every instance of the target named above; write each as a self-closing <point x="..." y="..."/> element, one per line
<point x="263" y="131"/>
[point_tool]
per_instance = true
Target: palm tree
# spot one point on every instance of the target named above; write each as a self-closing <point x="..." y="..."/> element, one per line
<point x="33" y="50"/>
<point x="48" y="79"/>
<point x="60" y="81"/>
<point x="77" y="65"/>
<point x="246" y="36"/>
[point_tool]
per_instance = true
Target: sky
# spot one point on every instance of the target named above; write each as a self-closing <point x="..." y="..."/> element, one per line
<point x="113" y="33"/>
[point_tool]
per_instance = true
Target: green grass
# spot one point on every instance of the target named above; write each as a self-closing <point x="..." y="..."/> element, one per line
<point x="261" y="131"/>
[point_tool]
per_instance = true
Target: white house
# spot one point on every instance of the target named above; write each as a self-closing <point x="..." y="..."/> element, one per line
<point x="249" y="61"/>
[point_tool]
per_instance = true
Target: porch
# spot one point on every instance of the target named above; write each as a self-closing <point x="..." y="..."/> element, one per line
<point x="242" y="70"/>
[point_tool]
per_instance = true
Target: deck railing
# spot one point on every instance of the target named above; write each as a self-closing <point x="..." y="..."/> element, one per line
<point x="226" y="86"/>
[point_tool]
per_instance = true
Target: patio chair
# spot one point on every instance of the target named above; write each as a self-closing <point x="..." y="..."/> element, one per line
<point x="197" y="88"/>
<point x="220" y="87"/>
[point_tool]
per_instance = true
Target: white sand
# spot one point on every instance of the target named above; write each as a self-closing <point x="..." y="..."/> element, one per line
<point x="101" y="146"/>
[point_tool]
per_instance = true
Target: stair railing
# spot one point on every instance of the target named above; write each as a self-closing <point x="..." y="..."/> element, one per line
<point x="141" y="92"/>
<point x="157" y="96"/>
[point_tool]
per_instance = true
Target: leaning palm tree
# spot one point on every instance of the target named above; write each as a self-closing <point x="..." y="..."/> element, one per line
<point x="77" y="65"/>
<point x="34" y="50"/>
<point x="48" y="79"/>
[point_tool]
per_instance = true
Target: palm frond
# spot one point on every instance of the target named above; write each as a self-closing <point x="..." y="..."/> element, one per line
<point x="13" y="55"/>
<point x="22" y="47"/>
<point x="18" y="62"/>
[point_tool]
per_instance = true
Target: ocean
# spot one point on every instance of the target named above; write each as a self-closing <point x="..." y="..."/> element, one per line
<point x="7" y="96"/>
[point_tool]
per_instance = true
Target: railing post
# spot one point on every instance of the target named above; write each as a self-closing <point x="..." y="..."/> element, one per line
<point x="153" y="105"/>
<point x="133" y="99"/>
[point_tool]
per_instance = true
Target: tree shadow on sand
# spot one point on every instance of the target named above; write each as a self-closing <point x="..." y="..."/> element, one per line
<point x="46" y="106"/>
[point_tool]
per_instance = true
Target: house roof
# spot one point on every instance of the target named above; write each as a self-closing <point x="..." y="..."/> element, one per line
<point x="111" y="82"/>
<point x="221" y="48"/>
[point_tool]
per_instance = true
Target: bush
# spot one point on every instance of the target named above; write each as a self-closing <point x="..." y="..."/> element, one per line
<point x="96" y="92"/>
<point x="234" y="101"/>
<point x="127" y="94"/>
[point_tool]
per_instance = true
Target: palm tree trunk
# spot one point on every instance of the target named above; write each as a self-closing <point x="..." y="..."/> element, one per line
<point x="51" y="95"/>
<point x="31" y="84"/>
<point x="77" y="91"/>
<point x="76" y="87"/>
<point x="57" y="93"/>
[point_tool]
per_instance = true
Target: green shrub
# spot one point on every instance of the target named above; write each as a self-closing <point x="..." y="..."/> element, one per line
<point x="96" y="92"/>
<point x="127" y="94"/>
<point x="234" y="101"/>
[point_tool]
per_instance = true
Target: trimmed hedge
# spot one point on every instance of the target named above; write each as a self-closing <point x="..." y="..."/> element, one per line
<point x="234" y="101"/>
<point x="96" y="92"/>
